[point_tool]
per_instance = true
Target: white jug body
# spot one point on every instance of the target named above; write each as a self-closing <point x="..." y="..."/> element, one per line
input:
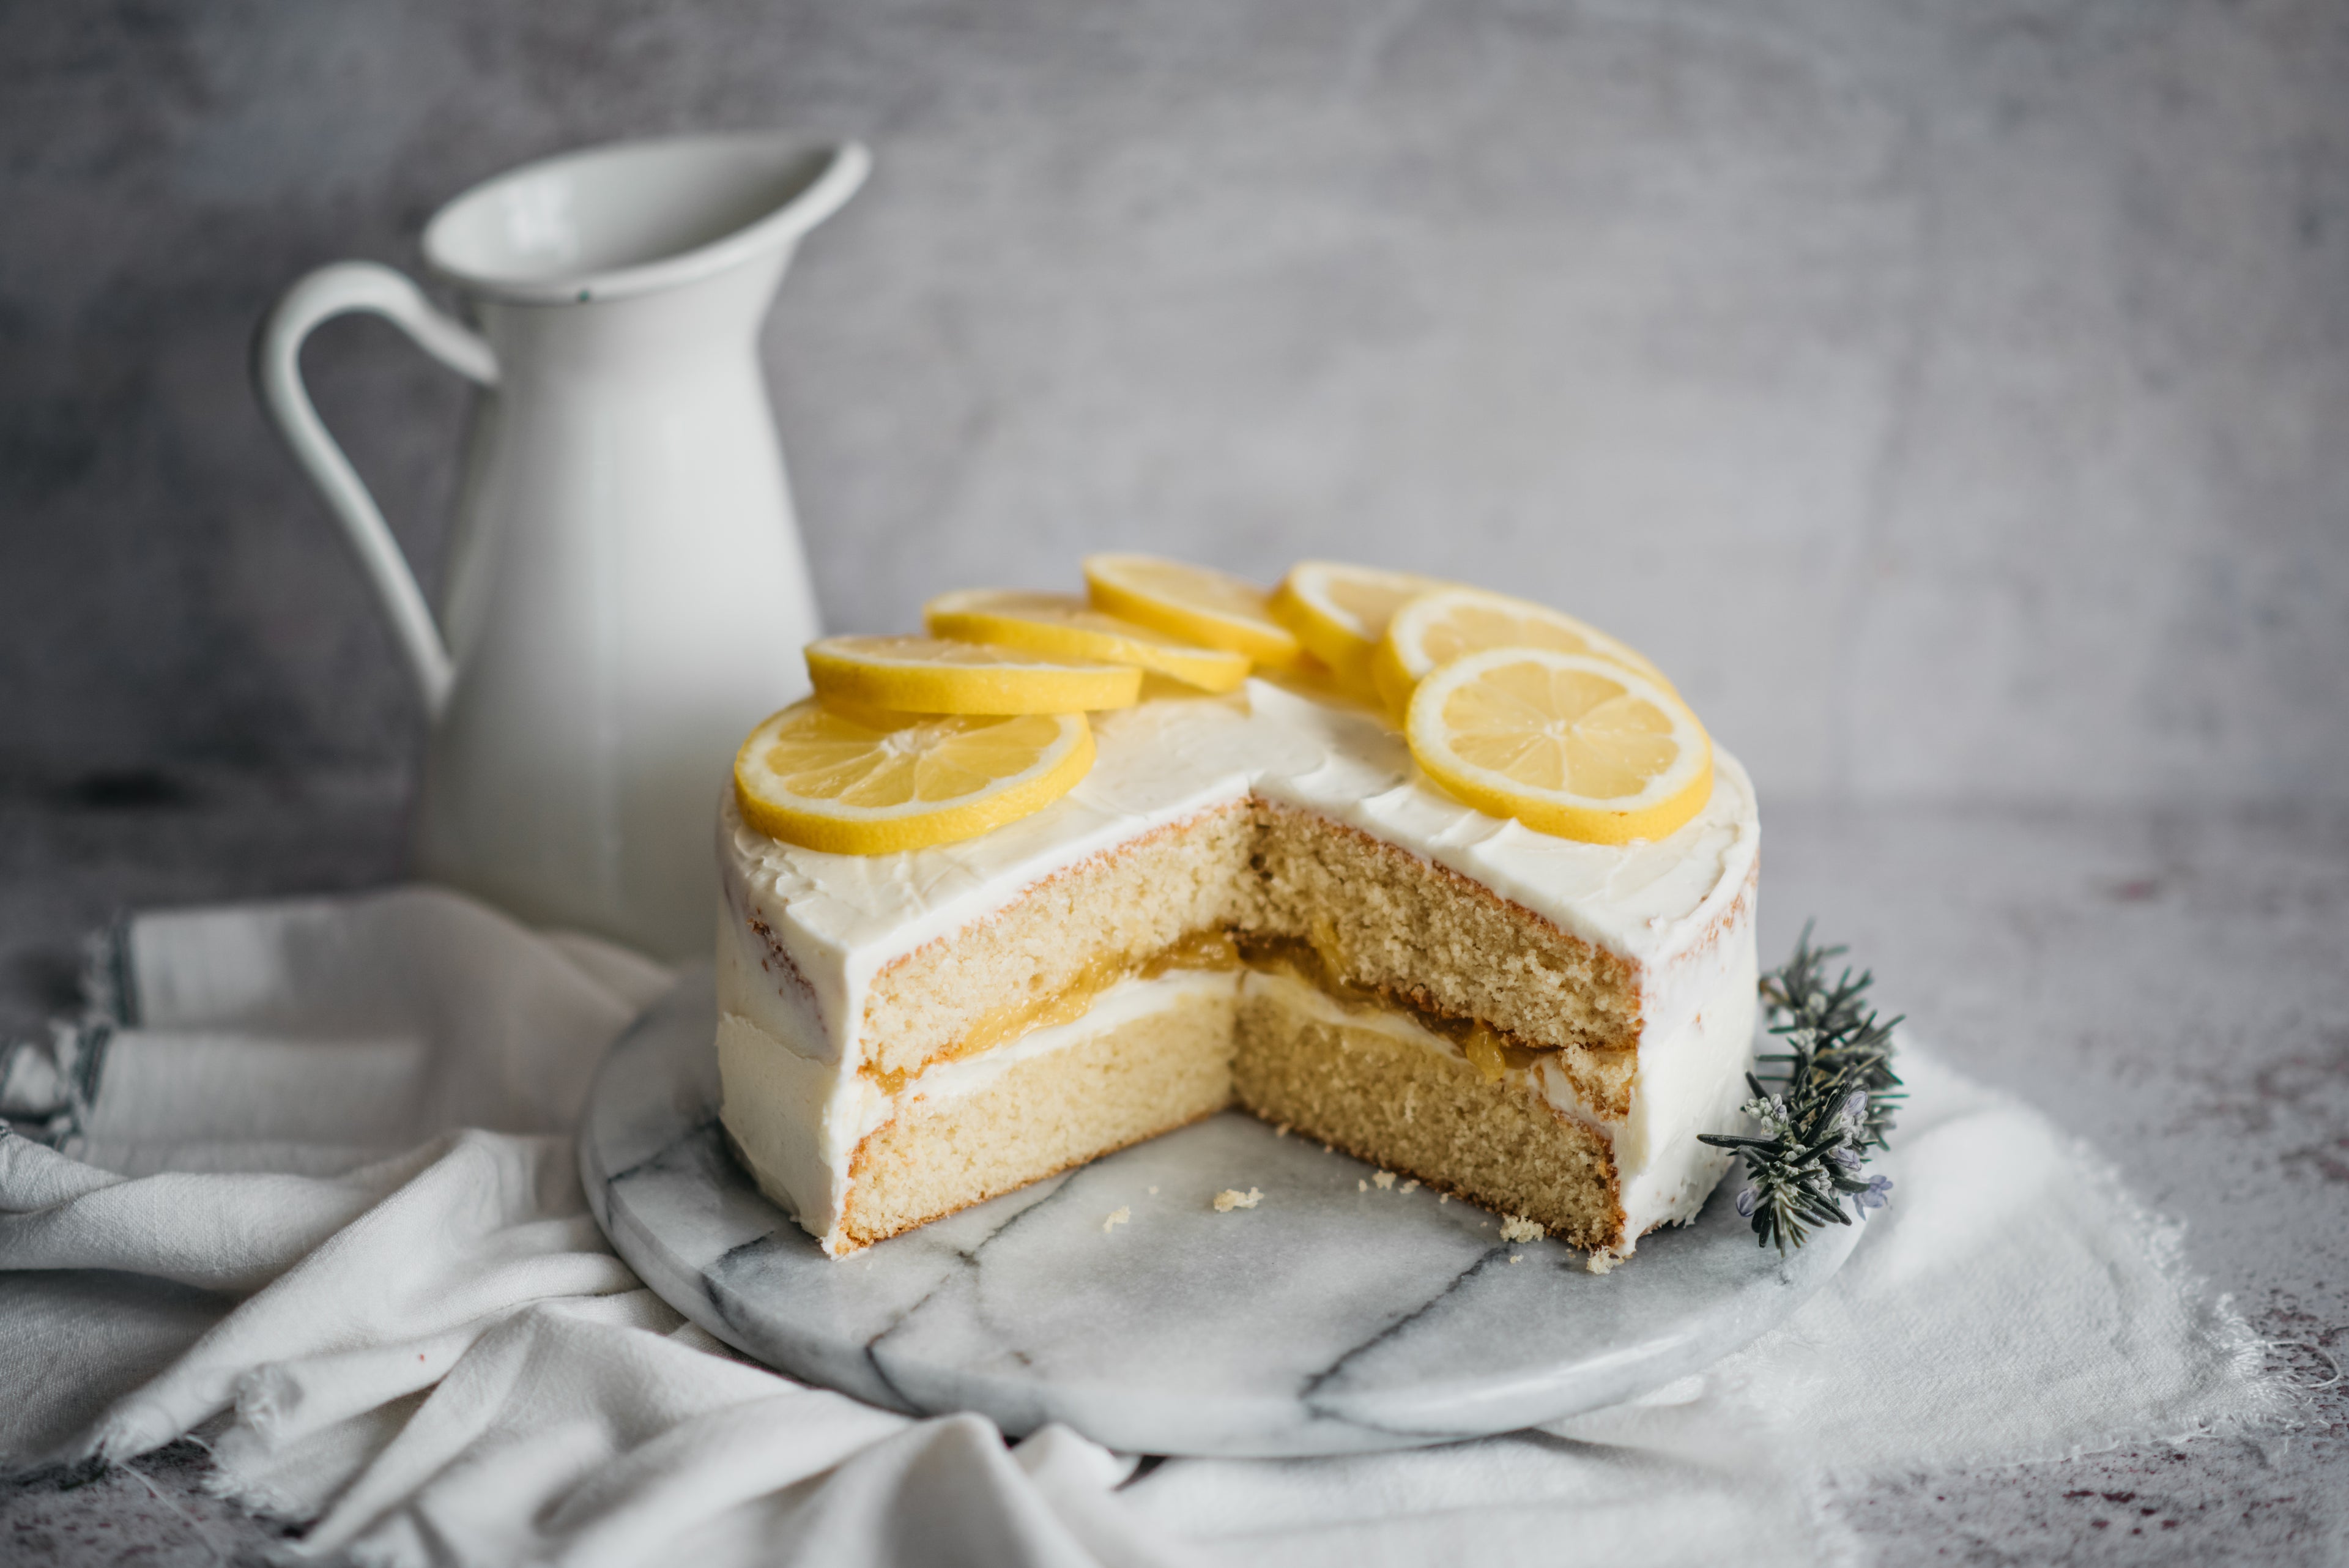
<point x="625" y="595"/>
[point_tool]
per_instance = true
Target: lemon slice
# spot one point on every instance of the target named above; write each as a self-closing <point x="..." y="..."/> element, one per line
<point x="1198" y="604"/>
<point x="1568" y="743"/>
<point x="1339" y="611"/>
<point x="874" y="784"/>
<point x="941" y="675"/>
<point x="1437" y="627"/>
<point x="1061" y="626"/>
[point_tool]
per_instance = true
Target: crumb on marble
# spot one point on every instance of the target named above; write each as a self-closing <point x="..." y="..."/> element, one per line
<point x="1441" y="1198"/>
<point x="1517" y="1257"/>
<point x="1517" y="1228"/>
<point x="1280" y="1131"/>
<point x="1362" y="1187"/>
<point x="1117" y="1217"/>
<point x="1411" y="1186"/>
<point x="1602" y="1262"/>
<point x="1385" y="1179"/>
<point x="1232" y="1198"/>
<point x="1153" y="1192"/>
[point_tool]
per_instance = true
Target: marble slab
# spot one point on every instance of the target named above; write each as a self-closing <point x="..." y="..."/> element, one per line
<point x="1335" y="1316"/>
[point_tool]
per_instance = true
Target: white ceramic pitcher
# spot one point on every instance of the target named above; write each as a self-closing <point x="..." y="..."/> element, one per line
<point x="625" y="595"/>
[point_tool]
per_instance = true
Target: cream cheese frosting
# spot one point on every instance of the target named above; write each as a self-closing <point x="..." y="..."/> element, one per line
<point x="841" y="920"/>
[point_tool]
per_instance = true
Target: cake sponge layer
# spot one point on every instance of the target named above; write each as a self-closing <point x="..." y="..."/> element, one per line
<point x="1398" y="1102"/>
<point x="946" y="1149"/>
<point x="1068" y="934"/>
<point x="1386" y="919"/>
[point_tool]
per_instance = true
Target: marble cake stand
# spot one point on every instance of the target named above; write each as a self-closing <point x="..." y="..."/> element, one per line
<point x="1329" y="1319"/>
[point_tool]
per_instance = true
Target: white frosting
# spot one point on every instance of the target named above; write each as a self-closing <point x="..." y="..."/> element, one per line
<point x="842" y="918"/>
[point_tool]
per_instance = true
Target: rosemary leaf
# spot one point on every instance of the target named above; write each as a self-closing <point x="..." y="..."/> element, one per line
<point x="1832" y="1102"/>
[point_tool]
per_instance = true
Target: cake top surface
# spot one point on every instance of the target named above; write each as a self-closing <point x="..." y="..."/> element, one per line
<point x="1170" y="759"/>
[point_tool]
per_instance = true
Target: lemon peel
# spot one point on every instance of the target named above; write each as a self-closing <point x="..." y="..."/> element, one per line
<point x="1340" y="611"/>
<point x="1061" y="625"/>
<point x="1198" y="604"/>
<point x="1568" y="744"/>
<point x="1440" y="625"/>
<point x="946" y="675"/>
<point x="865" y="782"/>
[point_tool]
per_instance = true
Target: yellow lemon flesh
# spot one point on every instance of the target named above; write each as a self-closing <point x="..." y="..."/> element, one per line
<point x="1568" y="743"/>
<point x="1437" y="627"/>
<point x="1061" y="626"/>
<point x="1198" y="604"/>
<point x="867" y="782"/>
<point x="1340" y="611"/>
<point x="943" y="675"/>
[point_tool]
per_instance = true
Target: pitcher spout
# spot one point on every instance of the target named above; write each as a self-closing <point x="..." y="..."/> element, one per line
<point x="615" y="222"/>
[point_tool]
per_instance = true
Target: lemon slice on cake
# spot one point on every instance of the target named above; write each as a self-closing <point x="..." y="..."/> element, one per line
<point x="1340" y="611"/>
<point x="868" y="782"/>
<point x="944" y="675"/>
<point x="1439" y="626"/>
<point x="1061" y="626"/>
<point x="1198" y="604"/>
<point x="1568" y="743"/>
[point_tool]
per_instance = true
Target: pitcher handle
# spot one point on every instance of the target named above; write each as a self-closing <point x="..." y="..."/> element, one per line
<point x="339" y="289"/>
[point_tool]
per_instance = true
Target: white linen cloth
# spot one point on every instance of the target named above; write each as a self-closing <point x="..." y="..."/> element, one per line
<point x="302" y="1187"/>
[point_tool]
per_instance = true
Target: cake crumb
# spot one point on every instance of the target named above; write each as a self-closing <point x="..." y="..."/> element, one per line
<point x="1153" y="1192"/>
<point x="1117" y="1217"/>
<point x="1517" y="1257"/>
<point x="1411" y="1186"/>
<point x="1280" y="1131"/>
<point x="1515" y="1227"/>
<point x="1441" y="1198"/>
<point x="1601" y="1262"/>
<point x="1362" y="1187"/>
<point x="1385" y="1179"/>
<point x="1232" y="1198"/>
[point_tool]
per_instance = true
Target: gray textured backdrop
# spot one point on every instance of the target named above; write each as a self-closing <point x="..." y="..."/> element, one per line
<point x="1951" y="395"/>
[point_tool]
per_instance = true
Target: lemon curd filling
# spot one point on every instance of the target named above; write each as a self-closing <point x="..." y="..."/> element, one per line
<point x="1208" y="950"/>
<point x="1310" y="960"/>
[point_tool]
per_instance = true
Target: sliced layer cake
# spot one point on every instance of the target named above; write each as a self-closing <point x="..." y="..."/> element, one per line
<point x="1255" y="899"/>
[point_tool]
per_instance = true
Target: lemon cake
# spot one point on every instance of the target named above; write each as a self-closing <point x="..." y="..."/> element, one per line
<point x="1262" y="898"/>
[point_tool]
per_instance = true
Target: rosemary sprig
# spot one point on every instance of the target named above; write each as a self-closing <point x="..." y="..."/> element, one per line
<point x="1833" y="1104"/>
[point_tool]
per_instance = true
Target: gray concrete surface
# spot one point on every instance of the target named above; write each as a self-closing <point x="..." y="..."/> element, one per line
<point x="1948" y="395"/>
<point x="2168" y="983"/>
